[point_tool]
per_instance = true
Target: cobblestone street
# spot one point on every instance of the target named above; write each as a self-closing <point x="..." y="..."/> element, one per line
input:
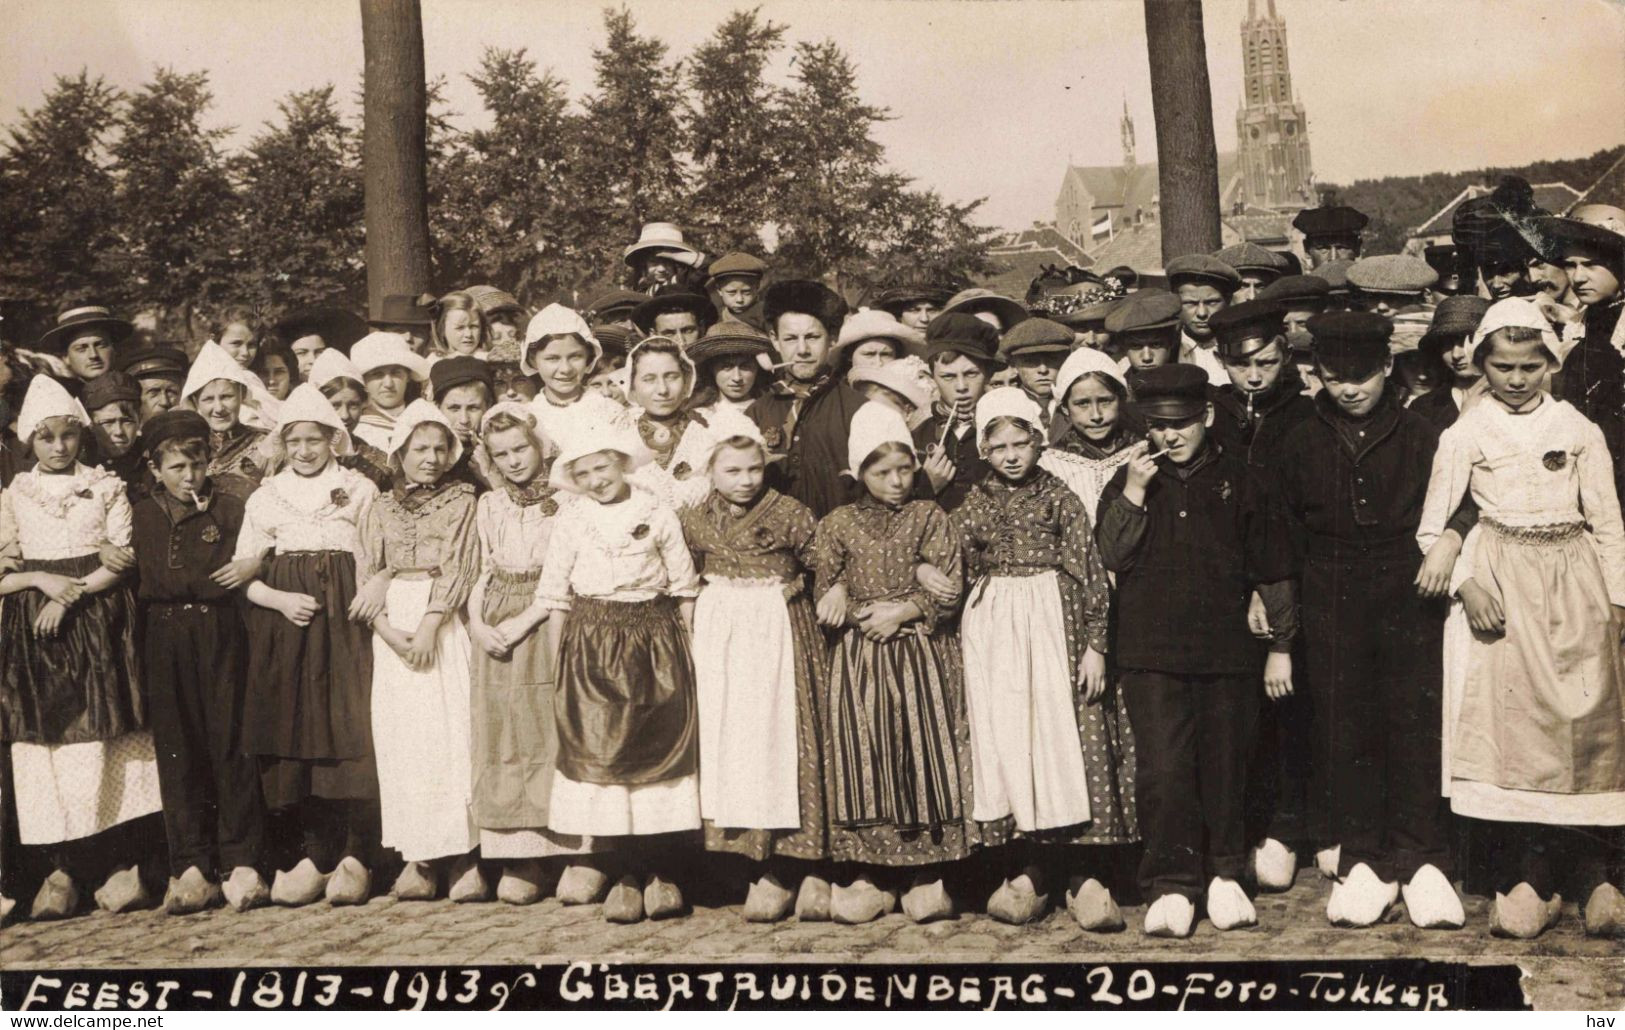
<point x="1563" y="969"/>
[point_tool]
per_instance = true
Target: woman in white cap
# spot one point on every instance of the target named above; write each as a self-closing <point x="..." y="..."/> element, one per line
<point x="898" y="753"/>
<point x="561" y="350"/>
<point x="307" y="711"/>
<point x="393" y="374"/>
<point x="422" y="559"/>
<point x="661" y="378"/>
<point x="340" y="382"/>
<point x="71" y="706"/>
<point x="515" y="729"/>
<point x="1051" y="753"/>
<point x="237" y="407"/>
<point x="759" y="669"/>
<point x="1534" y="725"/>
<point x="619" y="584"/>
<point x="1097" y="435"/>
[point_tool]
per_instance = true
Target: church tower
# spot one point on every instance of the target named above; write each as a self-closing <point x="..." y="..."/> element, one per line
<point x="1272" y="134"/>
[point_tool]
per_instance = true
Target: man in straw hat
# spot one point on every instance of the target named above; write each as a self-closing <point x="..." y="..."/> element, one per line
<point x="83" y="339"/>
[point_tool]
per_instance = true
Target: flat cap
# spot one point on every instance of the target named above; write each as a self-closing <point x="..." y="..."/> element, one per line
<point x="736" y="263"/>
<point x="107" y="388"/>
<point x="1007" y="311"/>
<point x="1297" y="291"/>
<point x="1241" y="329"/>
<point x="959" y="333"/>
<point x="173" y="424"/>
<point x="1391" y="273"/>
<point x="1034" y="336"/>
<point x="1336" y="274"/>
<point x="1329" y="221"/>
<point x="1144" y="311"/>
<point x="1247" y="256"/>
<point x="152" y="361"/>
<point x="1173" y="391"/>
<point x="1353" y="344"/>
<point x="1203" y="269"/>
<point x="450" y="373"/>
<point x="1454" y="317"/>
<point x="700" y="307"/>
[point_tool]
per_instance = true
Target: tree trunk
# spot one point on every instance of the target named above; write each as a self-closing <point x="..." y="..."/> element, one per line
<point x="1187" y="160"/>
<point x="393" y="155"/>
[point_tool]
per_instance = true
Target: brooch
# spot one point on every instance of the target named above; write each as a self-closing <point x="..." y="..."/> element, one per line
<point x="1224" y="490"/>
<point x="774" y="438"/>
<point x="549" y="506"/>
<point x="763" y="537"/>
<point x="248" y="465"/>
<point x="1554" y="460"/>
<point x="681" y="470"/>
<point x="84" y="493"/>
<point x="339" y="498"/>
<point x="640" y="531"/>
<point x="211" y="534"/>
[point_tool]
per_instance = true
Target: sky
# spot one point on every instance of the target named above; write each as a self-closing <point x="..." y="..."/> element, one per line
<point x="989" y="98"/>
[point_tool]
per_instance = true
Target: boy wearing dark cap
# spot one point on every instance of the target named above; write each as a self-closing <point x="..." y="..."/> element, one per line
<point x="1035" y="348"/>
<point x="1190" y="538"/>
<point x="1204" y="285"/>
<point x="736" y="279"/>
<point x="113" y="402"/>
<point x="1330" y="233"/>
<point x="962" y="352"/>
<point x="1448" y="346"/>
<point x="1144" y="331"/>
<point x="464" y="391"/>
<point x="193" y="654"/>
<point x="159" y="371"/>
<point x="1256" y="266"/>
<point x="1351" y="483"/>
<point x="1301" y="297"/>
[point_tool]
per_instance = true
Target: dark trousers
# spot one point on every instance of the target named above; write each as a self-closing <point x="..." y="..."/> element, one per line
<point x="214" y="814"/>
<point x="1374" y="652"/>
<point x="1286" y="790"/>
<point x="1193" y="738"/>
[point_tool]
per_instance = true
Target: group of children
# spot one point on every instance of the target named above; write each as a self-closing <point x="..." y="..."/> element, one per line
<point x="552" y="637"/>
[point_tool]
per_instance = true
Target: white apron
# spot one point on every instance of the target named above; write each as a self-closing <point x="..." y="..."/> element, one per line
<point x="745" y="676"/>
<point x="1026" y="759"/>
<point x="421" y="735"/>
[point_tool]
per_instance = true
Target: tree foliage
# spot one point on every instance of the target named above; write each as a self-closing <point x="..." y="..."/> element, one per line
<point x="747" y="143"/>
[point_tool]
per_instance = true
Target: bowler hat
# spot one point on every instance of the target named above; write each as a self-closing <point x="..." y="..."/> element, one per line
<point x="338" y="327"/>
<point x="458" y="370"/>
<point x="77" y="319"/>
<point x="404" y="309"/>
<point x="1173" y="391"/>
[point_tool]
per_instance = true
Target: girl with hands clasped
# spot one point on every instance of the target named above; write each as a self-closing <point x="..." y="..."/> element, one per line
<point x="422" y="558"/>
<point x="515" y="730"/>
<point x="1049" y="739"/>
<point x="306" y="713"/>
<point x="71" y="703"/>
<point x="898" y="750"/>
<point x="1534" y="729"/>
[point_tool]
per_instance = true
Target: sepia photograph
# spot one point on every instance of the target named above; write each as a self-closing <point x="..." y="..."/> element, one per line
<point x="811" y="505"/>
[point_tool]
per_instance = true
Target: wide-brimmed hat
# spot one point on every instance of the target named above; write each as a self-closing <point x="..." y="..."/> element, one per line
<point x="83" y="318"/>
<point x="899" y="298"/>
<point x="729" y="339"/>
<point x="644" y="315"/>
<point x="337" y="327"/>
<point x="614" y="305"/>
<point x="805" y="297"/>
<point x="492" y="301"/>
<point x="404" y="309"/>
<point x="1573" y="232"/>
<point x="666" y="240"/>
<point x="897" y="377"/>
<point x="870" y="324"/>
<point x="969" y="302"/>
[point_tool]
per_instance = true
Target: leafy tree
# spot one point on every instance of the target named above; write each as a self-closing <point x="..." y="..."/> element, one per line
<point x="734" y="131"/>
<point x="178" y="242"/>
<point x="54" y="196"/>
<point x="634" y="159"/>
<point x="301" y="200"/>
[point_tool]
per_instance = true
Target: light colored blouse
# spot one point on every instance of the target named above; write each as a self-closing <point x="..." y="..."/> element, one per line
<point x="324" y="512"/>
<point x="49" y="517"/>
<point x="514" y="537"/>
<point x="684" y="481"/>
<point x="434" y="536"/>
<point x="630" y="551"/>
<point x="1549" y="467"/>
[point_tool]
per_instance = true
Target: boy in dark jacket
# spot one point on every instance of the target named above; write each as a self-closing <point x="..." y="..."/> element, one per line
<point x="193" y="654"/>
<point x="1189" y="535"/>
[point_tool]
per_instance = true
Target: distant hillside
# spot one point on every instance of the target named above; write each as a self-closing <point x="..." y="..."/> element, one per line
<point x="1398" y="204"/>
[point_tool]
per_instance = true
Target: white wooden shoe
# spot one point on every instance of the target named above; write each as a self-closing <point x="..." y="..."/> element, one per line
<point x="1328" y="859"/>
<point x="1431" y="901"/>
<point x="1171" y="915"/>
<point x="1275" y="865"/>
<point x="1228" y="906"/>
<point x="1361" y="899"/>
<point x="1522" y="914"/>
